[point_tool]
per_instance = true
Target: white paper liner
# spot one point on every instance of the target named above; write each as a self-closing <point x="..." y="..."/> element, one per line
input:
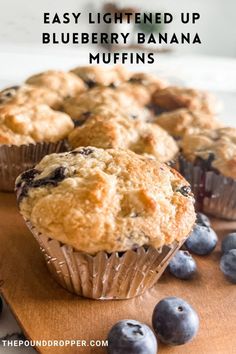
<point x="104" y="276"/>
<point x="215" y="194"/>
<point x="16" y="159"/>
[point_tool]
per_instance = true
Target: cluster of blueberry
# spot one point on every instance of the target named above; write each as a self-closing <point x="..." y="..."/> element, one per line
<point x="174" y="322"/>
<point x="202" y="241"/>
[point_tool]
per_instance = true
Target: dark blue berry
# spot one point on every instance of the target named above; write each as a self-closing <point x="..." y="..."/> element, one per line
<point x="202" y="240"/>
<point x="229" y="242"/>
<point x="203" y="220"/>
<point x="174" y="321"/>
<point x="182" y="265"/>
<point x="228" y="265"/>
<point x="131" y="337"/>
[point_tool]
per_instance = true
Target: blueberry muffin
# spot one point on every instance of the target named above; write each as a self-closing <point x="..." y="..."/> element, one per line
<point x="184" y="121"/>
<point x="141" y="87"/>
<point x="101" y="76"/>
<point x="106" y="200"/>
<point x="112" y="130"/>
<point x="100" y="98"/>
<point x="215" y="148"/>
<point x="30" y="95"/>
<point x="209" y="163"/>
<point x="63" y="83"/>
<point x="30" y="124"/>
<point x="173" y="97"/>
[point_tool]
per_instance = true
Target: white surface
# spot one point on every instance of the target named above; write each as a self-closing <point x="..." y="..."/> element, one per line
<point x="215" y="74"/>
<point x="21" y="21"/>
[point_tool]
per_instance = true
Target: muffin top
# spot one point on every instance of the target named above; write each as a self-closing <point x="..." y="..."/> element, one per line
<point x="100" y="98"/>
<point x="30" y="95"/>
<point x="29" y="124"/>
<point x="173" y="97"/>
<point x="182" y="121"/>
<point x="106" y="200"/>
<point x="95" y="75"/>
<point x="217" y="148"/>
<point x="141" y="86"/>
<point x="64" y="83"/>
<point x="114" y="130"/>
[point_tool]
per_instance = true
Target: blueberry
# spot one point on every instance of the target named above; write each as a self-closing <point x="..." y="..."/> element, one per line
<point x="174" y="321"/>
<point x="229" y="242"/>
<point x="202" y="240"/>
<point x="131" y="337"/>
<point x="228" y="265"/>
<point x="203" y="220"/>
<point x="1" y="305"/>
<point x="183" y="266"/>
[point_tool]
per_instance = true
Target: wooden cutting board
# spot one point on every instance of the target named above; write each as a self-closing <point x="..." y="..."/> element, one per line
<point x="46" y="311"/>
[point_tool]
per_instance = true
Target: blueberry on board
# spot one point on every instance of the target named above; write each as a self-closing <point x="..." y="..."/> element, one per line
<point x="229" y="242"/>
<point x="131" y="337"/>
<point x="174" y="321"/>
<point x="182" y="265"/>
<point x="202" y="240"/>
<point x="203" y="220"/>
<point x="228" y="265"/>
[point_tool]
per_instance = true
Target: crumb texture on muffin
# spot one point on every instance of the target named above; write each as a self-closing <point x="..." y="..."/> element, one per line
<point x="173" y="97"/>
<point x="115" y="130"/>
<point x="217" y="148"/>
<point x="30" y="124"/>
<point x="64" y="83"/>
<point x="184" y="121"/>
<point x="106" y="200"/>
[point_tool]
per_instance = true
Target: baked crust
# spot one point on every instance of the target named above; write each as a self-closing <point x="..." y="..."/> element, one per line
<point x="30" y="95"/>
<point x="184" y="121"/>
<point x="106" y="200"/>
<point x="63" y="83"/>
<point x="30" y="124"/>
<point x="97" y="99"/>
<point x="114" y="130"/>
<point x="173" y="97"/>
<point x="95" y="75"/>
<point x="141" y="87"/>
<point x="216" y="147"/>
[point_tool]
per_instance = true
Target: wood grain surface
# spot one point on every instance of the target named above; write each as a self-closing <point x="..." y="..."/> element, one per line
<point x="46" y="311"/>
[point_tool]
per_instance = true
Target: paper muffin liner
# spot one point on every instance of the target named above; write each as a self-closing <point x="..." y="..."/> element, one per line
<point x="118" y="275"/>
<point x="215" y="194"/>
<point x="16" y="159"/>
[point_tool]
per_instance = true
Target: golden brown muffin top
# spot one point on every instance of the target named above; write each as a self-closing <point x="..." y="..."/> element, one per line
<point x="106" y="200"/>
<point x="30" y="124"/>
<point x="95" y="75"/>
<point x="141" y="86"/>
<point x="114" y="130"/>
<point x="216" y="147"/>
<point x="173" y="97"/>
<point x="63" y="83"/>
<point x="100" y="98"/>
<point x="30" y="95"/>
<point x="184" y="121"/>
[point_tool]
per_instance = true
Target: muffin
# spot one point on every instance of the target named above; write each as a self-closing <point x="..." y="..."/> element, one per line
<point x="95" y="75"/>
<point x="27" y="133"/>
<point x="209" y="162"/>
<point x="113" y="130"/>
<point x="107" y="221"/>
<point x="173" y="97"/>
<point x="30" y="95"/>
<point x="184" y="121"/>
<point x="141" y="86"/>
<point x="101" y="98"/>
<point x="63" y="83"/>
